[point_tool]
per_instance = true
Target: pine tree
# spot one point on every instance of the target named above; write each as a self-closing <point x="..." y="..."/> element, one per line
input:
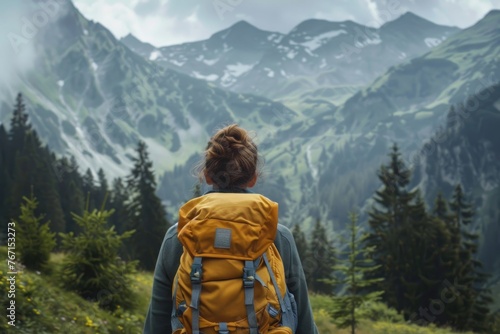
<point x="19" y="127"/>
<point x="301" y="242"/>
<point x="320" y="260"/>
<point x="34" y="239"/>
<point x="102" y="188"/>
<point x="70" y="190"/>
<point x="34" y="170"/>
<point x="476" y="297"/>
<point x="119" y="196"/>
<point x="389" y="219"/>
<point x="92" y="267"/>
<point x="4" y="177"/>
<point x="89" y="189"/>
<point x="147" y="216"/>
<point x="353" y="278"/>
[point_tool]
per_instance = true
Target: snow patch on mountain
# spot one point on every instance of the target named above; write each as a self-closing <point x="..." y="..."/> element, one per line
<point x="239" y="69"/>
<point x="155" y="55"/>
<point x="270" y="73"/>
<point x="291" y="54"/>
<point x="369" y="41"/>
<point x="94" y="66"/>
<point x="323" y="63"/>
<point x="210" y="62"/>
<point x="319" y="40"/>
<point x="210" y="77"/>
<point x="432" y="42"/>
<point x="60" y="83"/>
<point x="176" y="62"/>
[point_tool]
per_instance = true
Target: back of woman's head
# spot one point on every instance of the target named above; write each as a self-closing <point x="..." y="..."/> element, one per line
<point x="231" y="158"/>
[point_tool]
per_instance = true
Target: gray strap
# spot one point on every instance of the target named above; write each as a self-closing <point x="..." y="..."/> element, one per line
<point x="223" y="328"/>
<point x="287" y="318"/>
<point x="175" y="322"/>
<point x="248" y="285"/>
<point x="276" y="287"/>
<point x="196" y="275"/>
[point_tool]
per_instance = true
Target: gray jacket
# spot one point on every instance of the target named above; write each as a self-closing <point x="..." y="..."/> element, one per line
<point x="160" y="307"/>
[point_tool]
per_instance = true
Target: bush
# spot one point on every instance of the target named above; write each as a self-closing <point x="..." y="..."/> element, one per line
<point x="92" y="267"/>
<point x="378" y="311"/>
<point x="34" y="240"/>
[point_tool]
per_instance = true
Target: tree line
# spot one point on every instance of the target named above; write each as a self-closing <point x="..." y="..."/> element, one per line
<point x="62" y="193"/>
<point x="420" y="261"/>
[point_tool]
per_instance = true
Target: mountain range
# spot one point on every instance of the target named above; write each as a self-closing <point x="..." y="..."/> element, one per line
<point x="316" y="60"/>
<point x="326" y="100"/>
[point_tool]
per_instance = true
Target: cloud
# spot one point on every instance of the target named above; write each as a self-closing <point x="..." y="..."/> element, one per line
<point x="22" y="22"/>
<point x="167" y="22"/>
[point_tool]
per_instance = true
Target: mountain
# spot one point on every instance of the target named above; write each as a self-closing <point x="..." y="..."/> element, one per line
<point x="221" y="59"/>
<point x="318" y="60"/>
<point x="137" y="46"/>
<point x="90" y="96"/>
<point x="466" y="151"/>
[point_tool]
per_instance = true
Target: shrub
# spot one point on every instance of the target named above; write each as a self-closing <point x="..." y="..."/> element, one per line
<point x="92" y="267"/>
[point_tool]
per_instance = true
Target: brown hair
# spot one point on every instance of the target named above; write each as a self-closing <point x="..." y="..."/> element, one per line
<point x="231" y="158"/>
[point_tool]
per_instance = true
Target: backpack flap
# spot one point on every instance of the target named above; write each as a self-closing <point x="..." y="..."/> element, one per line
<point x="228" y="226"/>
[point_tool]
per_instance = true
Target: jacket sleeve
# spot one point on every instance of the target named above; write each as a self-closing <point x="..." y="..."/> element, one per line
<point x="296" y="280"/>
<point x="160" y="307"/>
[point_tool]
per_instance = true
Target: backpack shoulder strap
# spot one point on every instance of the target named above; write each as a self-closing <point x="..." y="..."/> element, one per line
<point x="287" y="316"/>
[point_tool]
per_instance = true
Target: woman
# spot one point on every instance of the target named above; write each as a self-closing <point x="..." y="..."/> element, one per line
<point x="230" y="166"/>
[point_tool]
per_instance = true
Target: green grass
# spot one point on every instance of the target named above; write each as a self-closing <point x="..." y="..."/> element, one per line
<point x="43" y="306"/>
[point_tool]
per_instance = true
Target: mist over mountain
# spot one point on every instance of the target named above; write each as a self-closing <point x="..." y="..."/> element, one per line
<point x="91" y="97"/>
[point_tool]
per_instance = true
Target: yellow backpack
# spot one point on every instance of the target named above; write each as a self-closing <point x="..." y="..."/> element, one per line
<point x="231" y="277"/>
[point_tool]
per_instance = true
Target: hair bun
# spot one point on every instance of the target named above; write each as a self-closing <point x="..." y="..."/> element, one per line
<point x="231" y="152"/>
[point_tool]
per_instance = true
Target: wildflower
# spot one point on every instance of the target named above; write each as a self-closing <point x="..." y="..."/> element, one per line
<point x="37" y="312"/>
<point x="89" y="322"/>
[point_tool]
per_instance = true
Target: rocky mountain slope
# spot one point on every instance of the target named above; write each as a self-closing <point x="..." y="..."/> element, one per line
<point x="90" y="96"/>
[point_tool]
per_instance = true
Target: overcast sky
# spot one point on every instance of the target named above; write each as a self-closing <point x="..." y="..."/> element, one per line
<point x="167" y="22"/>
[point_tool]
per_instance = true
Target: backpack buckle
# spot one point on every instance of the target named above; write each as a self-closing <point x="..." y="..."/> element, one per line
<point x="248" y="277"/>
<point x="195" y="274"/>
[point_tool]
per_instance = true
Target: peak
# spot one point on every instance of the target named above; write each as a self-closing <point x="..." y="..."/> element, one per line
<point x="129" y="37"/>
<point x="493" y="13"/>
<point x="242" y="25"/>
<point x="410" y="20"/>
<point x="411" y="17"/>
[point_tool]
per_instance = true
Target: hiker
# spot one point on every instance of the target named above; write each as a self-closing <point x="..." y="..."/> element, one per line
<point x="210" y="228"/>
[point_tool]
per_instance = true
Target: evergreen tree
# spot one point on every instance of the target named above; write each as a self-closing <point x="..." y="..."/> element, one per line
<point x="119" y="196"/>
<point x="353" y="278"/>
<point x="70" y="190"/>
<point x="301" y="242"/>
<point x="19" y="127"/>
<point x="389" y="219"/>
<point x="92" y="267"/>
<point x="4" y="177"/>
<point x="34" y="239"/>
<point x="102" y="189"/>
<point x="34" y="170"/>
<point x="147" y="216"/>
<point x="408" y="245"/>
<point x="476" y="297"/>
<point x="320" y="260"/>
<point x="89" y="189"/>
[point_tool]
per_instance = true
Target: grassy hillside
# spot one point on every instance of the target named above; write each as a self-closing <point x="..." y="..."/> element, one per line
<point x="43" y="306"/>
